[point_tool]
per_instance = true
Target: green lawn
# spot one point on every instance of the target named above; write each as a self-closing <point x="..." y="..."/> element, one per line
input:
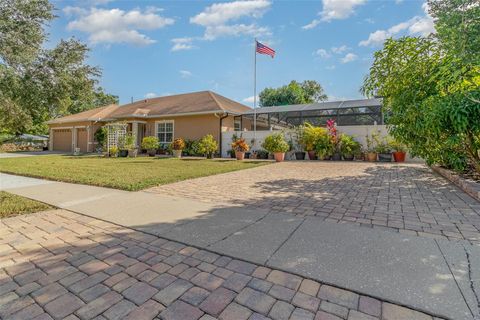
<point x="11" y="205"/>
<point x="120" y="173"/>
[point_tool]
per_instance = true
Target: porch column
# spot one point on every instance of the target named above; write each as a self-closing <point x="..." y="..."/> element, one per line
<point x="135" y="132"/>
<point x="50" y="140"/>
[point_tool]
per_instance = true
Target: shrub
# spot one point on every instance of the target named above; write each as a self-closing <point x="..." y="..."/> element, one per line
<point x="150" y="143"/>
<point x="311" y="135"/>
<point x="397" y="146"/>
<point x="113" y="151"/>
<point x="191" y="148"/>
<point x="178" y="144"/>
<point x="207" y="146"/>
<point x="324" y="146"/>
<point x="348" y="145"/>
<point x="275" y="143"/>
<point x="129" y="141"/>
<point x="101" y="136"/>
<point x="240" y="145"/>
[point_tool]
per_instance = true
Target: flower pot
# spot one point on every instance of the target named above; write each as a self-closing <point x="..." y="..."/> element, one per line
<point x="385" y="157"/>
<point x="399" y="156"/>
<point x="336" y="156"/>
<point x="239" y="155"/>
<point x="312" y="155"/>
<point x="279" y="156"/>
<point x="348" y="157"/>
<point x="151" y="152"/>
<point x="371" y="156"/>
<point x="247" y="155"/>
<point x="132" y="153"/>
<point x="123" y="153"/>
<point x="209" y="155"/>
<point x="300" y="155"/>
<point x="177" y="153"/>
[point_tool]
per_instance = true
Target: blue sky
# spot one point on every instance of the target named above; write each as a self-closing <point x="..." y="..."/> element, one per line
<point x="154" y="48"/>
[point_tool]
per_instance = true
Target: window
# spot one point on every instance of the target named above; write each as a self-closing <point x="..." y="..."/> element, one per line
<point x="165" y="131"/>
<point x="237" y="123"/>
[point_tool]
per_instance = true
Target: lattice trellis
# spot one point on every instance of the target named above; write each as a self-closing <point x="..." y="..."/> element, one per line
<point x="115" y="131"/>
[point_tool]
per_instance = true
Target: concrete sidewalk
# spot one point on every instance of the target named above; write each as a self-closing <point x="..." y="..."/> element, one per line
<point x="435" y="276"/>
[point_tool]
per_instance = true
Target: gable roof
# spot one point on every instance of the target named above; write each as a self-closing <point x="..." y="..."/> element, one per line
<point x="96" y="114"/>
<point x="203" y="102"/>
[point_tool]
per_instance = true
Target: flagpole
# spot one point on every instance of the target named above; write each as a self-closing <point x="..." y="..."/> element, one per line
<point x="255" y="93"/>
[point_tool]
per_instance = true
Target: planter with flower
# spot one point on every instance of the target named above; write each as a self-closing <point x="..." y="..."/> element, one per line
<point x="372" y="141"/>
<point x="207" y="146"/>
<point x="384" y="151"/>
<point x="151" y="145"/>
<point x="113" y="151"/>
<point x="177" y="147"/>
<point x="276" y="144"/>
<point x="311" y="134"/>
<point x="348" y="147"/>
<point x="240" y="147"/>
<point x="399" y="151"/>
<point x="130" y="145"/>
<point x="324" y="147"/>
<point x="334" y="137"/>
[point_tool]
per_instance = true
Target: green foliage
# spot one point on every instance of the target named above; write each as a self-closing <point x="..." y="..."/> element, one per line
<point x="38" y="84"/>
<point x="308" y="91"/>
<point x="113" y="151"/>
<point x="431" y="87"/>
<point x="150" y="143"/>
<point x="129" y="141"/>
<point x="207" y="145"/>
<point x="311" y="135"/>
<point x="324" y="146"/>
<point x="348" y="145"/>
<point x="101" y="136"/>
<point x="275" y="143"/>
<point x="191" y="148"/>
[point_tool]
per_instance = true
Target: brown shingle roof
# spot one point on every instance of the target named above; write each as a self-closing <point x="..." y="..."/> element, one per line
<point x="100" y="113"/>
<point x="187" y="103"/>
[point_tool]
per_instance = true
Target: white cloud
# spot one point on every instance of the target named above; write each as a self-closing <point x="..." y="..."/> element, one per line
<point x="322" y="53"/>
<point x="150" y="95"/>
<point x="116" y="25"/>
<point x="415" y="26"/>
<point x="332" y="67"/>
<point x="349" y="57"/>
<point x="340" y="49"/>
<point x="217" y="19"/>
<point x="333" y="10"/>
<point x="250" y="99"/>
<point x="185" y="74"/>
<point x="182" y="44"/>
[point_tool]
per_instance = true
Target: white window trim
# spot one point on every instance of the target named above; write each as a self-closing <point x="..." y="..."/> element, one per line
<point x="165" y="121"/>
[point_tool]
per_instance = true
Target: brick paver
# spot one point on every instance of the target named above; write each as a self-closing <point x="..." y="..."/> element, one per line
<point x="407" y="198"/>
<point x="62" y="265"/>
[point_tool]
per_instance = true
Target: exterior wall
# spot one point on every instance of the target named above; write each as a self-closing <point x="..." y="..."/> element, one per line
<point x="359" y="132"/>
<point x="82" y="139"/>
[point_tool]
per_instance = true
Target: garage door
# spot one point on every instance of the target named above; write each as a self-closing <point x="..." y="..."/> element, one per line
<point x="62" y="140"/>
<point x="82" y="139"/>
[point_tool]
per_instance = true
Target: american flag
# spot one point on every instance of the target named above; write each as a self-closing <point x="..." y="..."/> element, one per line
<point x="263" y="49"/>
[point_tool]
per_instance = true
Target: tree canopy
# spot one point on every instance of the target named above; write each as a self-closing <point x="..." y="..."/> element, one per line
<point x="308" y="91"/>
<point x="431" y="86"/>
<point x="37" y="84"/>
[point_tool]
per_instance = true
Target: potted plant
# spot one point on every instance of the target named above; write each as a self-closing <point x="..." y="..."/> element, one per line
<point x="399" y="151"/>
<point x="333" y="133"/>
<point x="262" y="154"/>
<point x="130" y="145"/>
<point x="370" y="152"/>
<point x="240" y="147"/>
<point x="311" y="134"/>
<point x="277" y="145"/>
<point x="324" y="147"/>
<point x="348" y="147"/>
<point x="113" y="151"/>
<point x="122" y="147"/>
<point x="299" y="143"/>
<point x="177" y="146"/>
<point x="384" y="152"/>
<point x="150" y="144"/>
<point x="207" y="146"/>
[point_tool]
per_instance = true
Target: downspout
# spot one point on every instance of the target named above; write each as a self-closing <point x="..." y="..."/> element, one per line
<point x="225" y="115"/>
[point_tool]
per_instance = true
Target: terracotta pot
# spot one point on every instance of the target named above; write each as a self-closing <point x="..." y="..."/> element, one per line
<point x="312" y="155"/>
<point x="371" y="156"/>
<point x="279" y="156"/>
<point x="399" y="156"/>
<point x="239" y="155"/>
<point x="177" y="153"/>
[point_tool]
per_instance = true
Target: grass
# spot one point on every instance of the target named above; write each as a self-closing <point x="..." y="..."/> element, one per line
<point x="120" y="173"/>
<point x="11" y="205"/>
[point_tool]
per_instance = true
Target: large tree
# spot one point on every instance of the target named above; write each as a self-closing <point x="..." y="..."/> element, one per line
<point x="37" y="84"/>
<point x="431" y="86"/>
<point x="308" y="91"/>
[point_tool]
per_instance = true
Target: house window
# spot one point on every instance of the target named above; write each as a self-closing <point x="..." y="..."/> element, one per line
<point x="165" y="131"/>
<point x="237" y="123"/>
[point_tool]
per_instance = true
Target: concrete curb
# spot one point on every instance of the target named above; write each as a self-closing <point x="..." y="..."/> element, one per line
<point x="469" y="186"/>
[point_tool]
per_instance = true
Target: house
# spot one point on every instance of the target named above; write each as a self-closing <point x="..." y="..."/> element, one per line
<point x="189" y="116"/>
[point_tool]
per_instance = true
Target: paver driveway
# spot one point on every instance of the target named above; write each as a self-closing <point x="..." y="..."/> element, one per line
<point x="407" y="198"/>
<point x="59" y="264"/>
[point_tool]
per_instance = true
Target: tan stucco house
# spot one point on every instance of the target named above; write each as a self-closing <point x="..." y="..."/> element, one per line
<point x="189" y="116"/>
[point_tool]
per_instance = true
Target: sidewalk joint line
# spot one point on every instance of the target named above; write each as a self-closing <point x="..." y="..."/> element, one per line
<point x="283" y="243"/>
